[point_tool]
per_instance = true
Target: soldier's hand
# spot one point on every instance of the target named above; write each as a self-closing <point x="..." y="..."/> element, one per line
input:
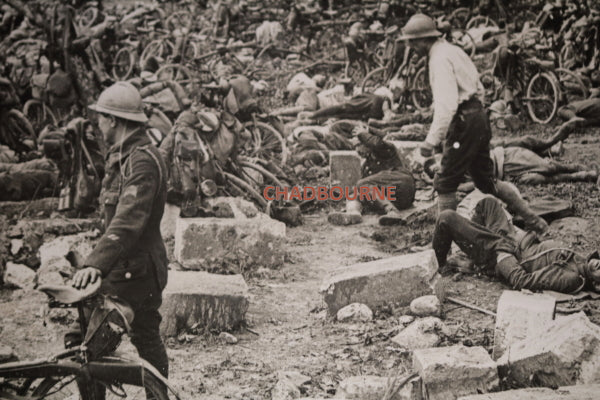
<point x="85" y="276"/>
<point x="426" y="150"/>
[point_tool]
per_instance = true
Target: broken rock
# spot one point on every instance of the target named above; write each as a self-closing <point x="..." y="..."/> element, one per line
<point x="567" y="353"/>
<point x="398" y="280"/>
<point x="422" y="333"/>
<point x="356" y="312"/>
<point x="199" y="299"/>
<point x="59" y="256"/>
<point x="426" y="306"/>
<point x="368" y="387"/>
<point x="580" y="392"/>
<point x="289" y="385"/>
<point x="6" y="354"/>
<point x="228" y="338"/>
<point x="450" y="372"/>
<point x="19" y="275"/>
<point x="204" y="243"/>
<point x="519" y="316"/>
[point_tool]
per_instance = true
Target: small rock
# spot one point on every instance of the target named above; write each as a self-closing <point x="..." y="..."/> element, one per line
<point x="422" y="333"/>
<point x="228" y="338"/>
<point x="6" y="354"/>
<point x="288" y="385"/>
<point x="356" y="312"/>
<point x="20" y="276"/>
<point x="405" y="319"/>
<point x="15" y="246"/>
<point x="425" y="306"/>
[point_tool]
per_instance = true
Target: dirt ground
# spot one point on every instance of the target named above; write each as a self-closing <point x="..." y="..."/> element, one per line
<point x="289" y="328"/>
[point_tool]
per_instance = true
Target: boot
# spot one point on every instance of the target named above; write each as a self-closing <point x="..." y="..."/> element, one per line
<point x="351" y="216"/>
<point x="532" y="221"/>
<point x="447" y="201"/>
<point x="392" y="215"/>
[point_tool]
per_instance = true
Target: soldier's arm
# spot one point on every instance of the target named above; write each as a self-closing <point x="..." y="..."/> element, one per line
<point x="131" y="215"/>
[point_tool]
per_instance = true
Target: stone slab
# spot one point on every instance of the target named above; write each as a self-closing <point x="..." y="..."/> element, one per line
<point x="567" y="353"/>
<point x="168" y="223"/>
<point x="204" y="243"/>
<point x="204" y="301"/>
<point x="520" y="315"/>
<point x="450" y="372"/>
<point x="420" y="334"/>
<point x="580" y="392"/>
<point x="398" y="280"/>
<point x="345" y="168"/>
<point x="20" y="276"/>
<point x="369" y="387"/>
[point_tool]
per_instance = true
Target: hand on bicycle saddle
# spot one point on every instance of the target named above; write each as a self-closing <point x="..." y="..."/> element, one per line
<point x="85" y="276"/>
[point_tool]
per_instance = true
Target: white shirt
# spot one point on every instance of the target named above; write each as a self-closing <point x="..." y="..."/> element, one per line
<point x="453" y="78"/>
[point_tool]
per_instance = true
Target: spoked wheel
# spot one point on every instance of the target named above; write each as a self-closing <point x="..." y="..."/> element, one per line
<point x="571" y="86"/>
<point x="88" y="18"/>
<point x="67" y="388"/>
<point x="174" y="72"/>
<point x="374" y="80"/>
<point x="157" y="48"/>
<point x="250" y="191"/>
<point x="567" y="56"/>
<point x="480" y="21"/>
<point x="267" y="143"/>
<point x="39" y="114"/>
<point x="124" y="63"/>
<point x="421" y="94"/>
<point x="542" y="98"/>
<point x="460" y="17"/>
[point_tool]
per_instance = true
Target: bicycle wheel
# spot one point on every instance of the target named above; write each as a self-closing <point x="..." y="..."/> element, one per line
<point x="566" y="56"/>
<point x="571" y="86"/>
<point x="459" y="17"/>
<point x="66" y="388"/>
<point x="123" y="63"/>
<point x="421" y="94"/>
<point x="180" y="19"/>
<point x="88" y="18"/>
<point x="464" y="40"/>
<point x="39" y="114"/>
<point x="374" y="80"/>
<point x="542" y="98"/>
<point x="158" y="48"/>
<point x="480" y="21"/>
<point x="267" y="143"/>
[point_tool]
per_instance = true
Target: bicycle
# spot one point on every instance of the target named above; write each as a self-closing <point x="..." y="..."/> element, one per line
<point x="412" y="76"/>
<point x="89" y="364"/>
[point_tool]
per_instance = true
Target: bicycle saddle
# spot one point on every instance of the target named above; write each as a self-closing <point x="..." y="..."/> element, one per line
<point x="68" y="294"/>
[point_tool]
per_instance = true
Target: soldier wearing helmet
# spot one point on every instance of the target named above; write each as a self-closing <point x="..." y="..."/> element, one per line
<point x="131" y="256"/>
<point x="460" y="122"/>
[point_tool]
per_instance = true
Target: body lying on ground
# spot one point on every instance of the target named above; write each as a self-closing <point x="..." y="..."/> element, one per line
<point x="491" y="241"/>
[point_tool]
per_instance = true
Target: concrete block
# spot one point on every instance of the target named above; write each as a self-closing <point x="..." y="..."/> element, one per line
<point x="345" y="168"/>
<point x="19" y="275"/>
<point x="202" y="300"/>
<point x="398" y="279"/>
<point x="369" y="387"/>
<point x="519" y="316"/>
<point x="567" y="353"/>
<point x="581" y="392"/>
<point x="203" y="243"/>
<point x="451" y="372"/>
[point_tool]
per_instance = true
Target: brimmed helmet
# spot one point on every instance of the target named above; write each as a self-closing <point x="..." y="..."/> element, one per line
<point x="122" y="100"/>
<point x="419" y="26"/>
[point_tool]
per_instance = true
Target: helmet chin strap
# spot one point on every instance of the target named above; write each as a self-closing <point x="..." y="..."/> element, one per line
<point x="124" y="135"/>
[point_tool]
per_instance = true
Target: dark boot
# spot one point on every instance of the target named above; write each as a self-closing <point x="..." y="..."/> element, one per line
<point x="519" y="206"/>
<point x="392" y="215"/>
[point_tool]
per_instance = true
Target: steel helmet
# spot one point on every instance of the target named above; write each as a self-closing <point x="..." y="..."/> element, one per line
<point x="419" y="26"/>
<point x="122" y="100"/>
<point x="498" y="107"/>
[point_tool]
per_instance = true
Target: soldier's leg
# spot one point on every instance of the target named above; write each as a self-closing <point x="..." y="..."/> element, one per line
<point x="145" y="335"/>
<point x="550" y="277"/>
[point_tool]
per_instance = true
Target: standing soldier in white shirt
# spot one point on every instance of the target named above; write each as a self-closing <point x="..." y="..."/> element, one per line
<point x="460" y="122"/>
